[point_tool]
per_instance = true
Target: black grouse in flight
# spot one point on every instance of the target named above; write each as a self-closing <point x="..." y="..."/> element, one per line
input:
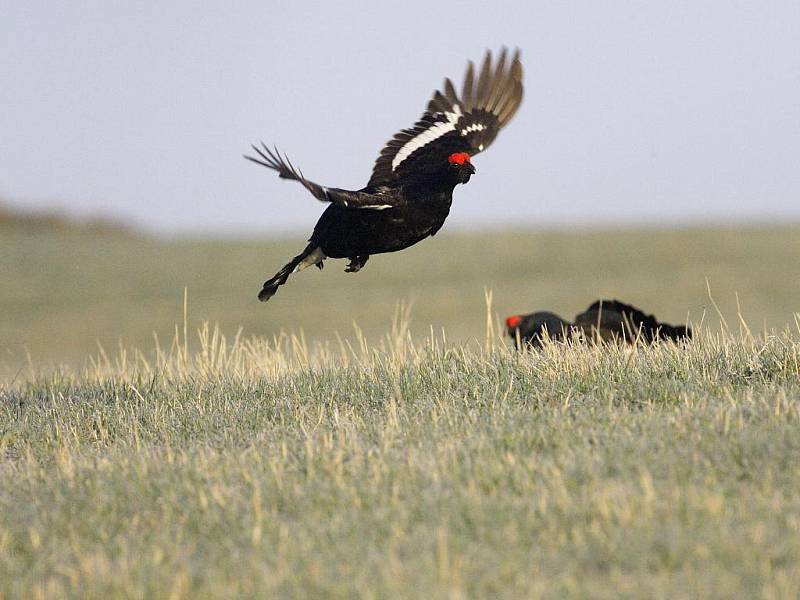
<point x="409" y="194"/>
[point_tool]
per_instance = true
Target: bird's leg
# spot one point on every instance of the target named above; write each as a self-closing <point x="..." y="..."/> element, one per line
<point x="320" y="264"/>
<point x="356" y="263"/>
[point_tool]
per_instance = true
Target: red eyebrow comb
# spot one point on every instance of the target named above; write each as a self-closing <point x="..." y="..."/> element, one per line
<point x="458" y="158"/>
<point x="513" y="322"/>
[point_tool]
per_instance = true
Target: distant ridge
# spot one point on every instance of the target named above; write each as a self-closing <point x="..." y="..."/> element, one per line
<point x="53" y="220"/>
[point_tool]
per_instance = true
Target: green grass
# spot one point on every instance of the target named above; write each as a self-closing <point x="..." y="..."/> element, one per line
<point x="396" y="463"/>
<point x="62" y="292"/>
<point x="408" y="471"/>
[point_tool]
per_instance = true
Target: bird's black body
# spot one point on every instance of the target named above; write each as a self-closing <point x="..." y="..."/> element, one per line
<point x="348" y="233"/>
<point x="409" y="195"/>
<point x="612" y="319"/>
<point x="603" y="320"/>
<point x="534" y="327"/>
<point x="343" y="232"/>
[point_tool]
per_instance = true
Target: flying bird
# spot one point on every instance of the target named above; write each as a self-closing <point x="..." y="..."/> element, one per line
<point x="409" y="194"/>
<point x="604" y="320"/>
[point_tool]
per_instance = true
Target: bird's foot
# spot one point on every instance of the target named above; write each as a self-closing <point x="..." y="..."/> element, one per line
<point x="356" y="264"/>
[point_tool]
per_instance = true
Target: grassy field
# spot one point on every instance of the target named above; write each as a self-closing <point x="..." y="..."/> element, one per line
<point x="62" y="292"/>
<point x="408" y="470"/>
<point x="397" y="463"/>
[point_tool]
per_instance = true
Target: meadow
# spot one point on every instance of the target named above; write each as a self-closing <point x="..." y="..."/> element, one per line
<point x="415" y="455"/>
<point x="63" y="292"/>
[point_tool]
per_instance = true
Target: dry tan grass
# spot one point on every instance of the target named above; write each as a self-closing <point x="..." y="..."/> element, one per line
<point x="406" y="468"/>
<point x="406" y="465"/>
<point x="63" y="292"/>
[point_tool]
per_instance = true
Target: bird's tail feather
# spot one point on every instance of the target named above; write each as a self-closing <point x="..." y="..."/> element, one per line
<point x="312" y="255"/>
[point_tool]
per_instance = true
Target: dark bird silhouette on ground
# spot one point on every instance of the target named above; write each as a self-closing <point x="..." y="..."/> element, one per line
<point x="604" y="320"/>
<point x="532" y="328"/>
<point x="409" y="194"/>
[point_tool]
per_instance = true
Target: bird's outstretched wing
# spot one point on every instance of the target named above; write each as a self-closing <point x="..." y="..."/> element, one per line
<point x="272" y="159"/>
<point x="452" y="124"/>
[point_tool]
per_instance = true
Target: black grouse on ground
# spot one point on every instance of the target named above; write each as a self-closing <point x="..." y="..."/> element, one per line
<point x="409" y="194"/>
<point x="604" y="320"/>
<point x="533" y="327"/>
<point x="615" y="320"/>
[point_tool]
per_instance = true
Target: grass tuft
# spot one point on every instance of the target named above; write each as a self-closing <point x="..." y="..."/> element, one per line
<point x="406" y="468"/>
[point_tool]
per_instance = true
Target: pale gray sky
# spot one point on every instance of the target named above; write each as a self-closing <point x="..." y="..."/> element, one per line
<point x="634" y="111"/>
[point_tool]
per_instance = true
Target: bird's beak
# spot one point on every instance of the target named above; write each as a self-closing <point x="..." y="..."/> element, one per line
<point x="470" y="168"/>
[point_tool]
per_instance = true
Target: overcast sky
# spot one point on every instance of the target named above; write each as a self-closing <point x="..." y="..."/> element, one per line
<point x="634" y="111"/>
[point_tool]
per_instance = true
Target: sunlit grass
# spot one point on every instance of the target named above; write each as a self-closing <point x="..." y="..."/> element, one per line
<point x="333" y="443"/>
<point x="62" y="292"/>
<point x="406" y="467"/>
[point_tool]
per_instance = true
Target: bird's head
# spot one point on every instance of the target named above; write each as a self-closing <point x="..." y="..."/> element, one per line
<point x="460" y="167"/>
<point x="513" y="323"/>
<point x="533" y="328"/>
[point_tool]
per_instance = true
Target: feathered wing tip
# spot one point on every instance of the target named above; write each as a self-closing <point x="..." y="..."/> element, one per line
<point x="272" y="159"/>
<point x="489" y="99"/>
<point x="498" y="88"/>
